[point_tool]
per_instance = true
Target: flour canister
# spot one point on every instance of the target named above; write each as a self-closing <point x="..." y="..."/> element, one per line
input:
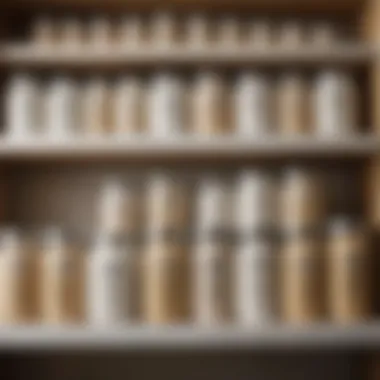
<point x="349" y="267"/>
<point x="208" y="101"/>
<point x="253" y="105"/>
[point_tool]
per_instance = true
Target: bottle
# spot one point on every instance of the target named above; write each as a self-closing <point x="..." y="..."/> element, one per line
<point x="164" y="30"/>
<point x="132" y="34"/>
<point x="211" y="281"/>
<point x="208" y="102"/>
<point x="165" y="107"/>
<point x="349" y="266"/>
<point x="260" y="34"/>
<point x="61" y="109"/>
<point x="228" y="33"/>
<point x="95" y="108"/>
<point x="256" y="202"/>
<point x="127" y="106"/>
<point x="23" y="108"/>
<point x="106" y="282"/>
<point x="255" y="278"/>
<point x="44" y="33"/>
<point x="301" y="279"/>
<point x="291" y="35"/>
<point x="253" y="105"/>
<point x="323" y="34"/>
<point x="198" y="34"/>
<point x="293" y="104"/>
<point x="61" y="276"/>
<point x="72" y="36"/>
<point x="334" y="99"/>
<point x="165" y="282"/>
<point x="100" y="35"/>
<point x="119" y="208"/>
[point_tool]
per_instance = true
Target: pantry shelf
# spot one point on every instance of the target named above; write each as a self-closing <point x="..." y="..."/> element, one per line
<point x="189" y="148"/>
<point x="187" y="337"/>
<point x="29" y="57"/>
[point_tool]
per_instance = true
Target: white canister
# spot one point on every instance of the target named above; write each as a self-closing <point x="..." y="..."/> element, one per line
<point x="253" y="105"/>
<point x="23" y="108"/>
<point x="214" y="206"/>
<point x="260" y="33"/>
<point x="100" y="35"/>
<point x="127" y="109"/>
<point x="71" y="34"/>
<point x="292" y="104"/>
<point x="164" y="30"/>
<point x="61" y="109"/>
<point x="165" y="106"/>
<point x="256" y="202"/>
<point x="168" y="204"/>
<point x="131" y="32"/>
<point x="119" y="208"/>
<point x="334" y="100"/>
<point x="198" y="31"/>
<point x="106" y="282"/>
<point x="44" y="33"/>
<point x="207" y="111"/>
<point x="291" y="35"/>
<point x="95" y="115"/>
<point x="254" y="279"/>
<point x="211" y="283"/>
<point x="228" y="33"/>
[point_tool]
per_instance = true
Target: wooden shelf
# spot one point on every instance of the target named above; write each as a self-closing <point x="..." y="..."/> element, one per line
<point x="23" y="56"/>
<point x="187" y="337"/>
<point x="189" y="148"/>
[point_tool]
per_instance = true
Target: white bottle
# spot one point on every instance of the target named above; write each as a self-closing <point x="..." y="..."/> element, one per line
<point x="164" y="30"/>
<point x="22" y="108"/>
<point x="100" y="33"/>
<point x="127" y="106"/>
<point x="61" y="109"/>
<point x="131" y="32"/>
<point x="106" y="282"/>
<point x="260" y="34"/>
<point x="71" y="34"/>
<point x="165" y="107"/>
<point x="211" y="283"/>
<point x="291" y="35"/>
<point x="334" y="99"/>
<point x="253" y="105"/>
<point x="214" y="206"/>
<point x="254" y="291"/>
<point x="228" y="34"/>
<point x="198" y="31"/>
<point x="256" y="202"/>
<point x="119" y="208"/>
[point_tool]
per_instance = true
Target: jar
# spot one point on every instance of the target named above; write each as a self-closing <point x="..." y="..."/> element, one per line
<point x="334" y="99"/>
<point x="61" y="276"/>
<point x="323" y="34"/>
<point x="168" y="204"/>
<point x="255" y="279"/>
<point x="127" y="106"/>
<point x="256" y="202"/>
<point x="211" y="282"/>
<point x="164" y="30"/>
<point x="165" y="107"/>
<point x="292" y="104"/>
<point x="72" y="35"/>
<point x="95" y="108"/>
<point x="108" y="268"/>
<point x="16" y="285"/>
<point x="61" y="109"/>
<point x="198" y="33"/>
<point x="302" y="200"/>
<point x="260" y="34"/>
<point x="119" y="208"/>
<point x="301" y="279"/>
<point x="165" y="274"/>
<point x="253" y="105"/>
<point x="349" y="266"/>
<point x="101" y="33"/>
<point x="291" y="35"/>
<point x="23" y="108"/>
<point x="44" y="33"/>
<point x="132" y="32"/>
<point x="228" y="33"/>
<point x="213" y="206"/>
<point x="208" y="104"/>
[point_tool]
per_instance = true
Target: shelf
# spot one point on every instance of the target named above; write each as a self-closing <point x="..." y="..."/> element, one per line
<point x="190" y="149"/>
<point x="186" y="337"/>
<point x="19" y="56"/>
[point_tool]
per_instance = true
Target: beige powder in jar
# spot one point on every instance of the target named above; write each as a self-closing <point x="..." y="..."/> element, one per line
<point x="165" y="276"/>
<point x="323" y="34"/>
<point x="71" y="34"/>
<point x="131" y="32"/>
<point x="301" y="279"/>
<point x="198" y="31"/>
<point x="292" y="104"/>
<point x="208" y="104"/>
<point x="260" y="34"/>
<point x="101" y="33"/>
<point x="291" y="35"/>
<point x="349" y="266"/>
<point x="228" y="32"/>
<point x="44" y="33"/>
<point x="164" y="32"/>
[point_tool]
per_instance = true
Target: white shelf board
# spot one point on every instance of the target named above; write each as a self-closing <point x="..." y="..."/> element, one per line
<point x="188" y="337"/>
<point x="28" y="56"/>
<point x="189" y="148"/>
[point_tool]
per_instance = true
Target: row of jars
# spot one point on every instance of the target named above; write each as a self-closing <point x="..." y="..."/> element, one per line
<point x="304" y="279"/>
<point x="252" y="201"/>
<point x="251" y="105"/>
<point x="166" y="30"/>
